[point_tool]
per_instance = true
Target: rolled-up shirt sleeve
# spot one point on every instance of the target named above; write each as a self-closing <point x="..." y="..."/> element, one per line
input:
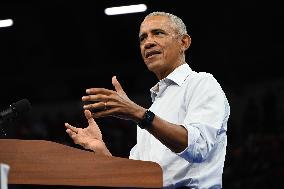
<point x="205" y="114"/>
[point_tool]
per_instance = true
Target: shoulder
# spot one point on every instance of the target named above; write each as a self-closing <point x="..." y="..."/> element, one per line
<point x="203" y="83"/>
<point x="201" y="78"/>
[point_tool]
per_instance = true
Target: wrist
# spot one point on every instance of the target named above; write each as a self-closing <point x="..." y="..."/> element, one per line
<point x="138" y="114"/>
<point x="105" y="150"/>
<point x="147" y="120"/>
<point x="99" y="148"/>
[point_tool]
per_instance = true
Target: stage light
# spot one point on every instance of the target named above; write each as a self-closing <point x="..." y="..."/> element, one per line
<point x="125" y="9"/>
<point x="6" y="23"/>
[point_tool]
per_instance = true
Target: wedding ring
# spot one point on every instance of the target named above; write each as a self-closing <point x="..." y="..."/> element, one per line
<point x="105" y="105"/>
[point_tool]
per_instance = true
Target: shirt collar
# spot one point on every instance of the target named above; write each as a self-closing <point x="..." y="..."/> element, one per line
<point x="178" y="76"/>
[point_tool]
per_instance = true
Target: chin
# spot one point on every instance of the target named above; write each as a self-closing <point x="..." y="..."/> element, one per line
<point x="153" y="62"/>
<point x="153" y="67"/>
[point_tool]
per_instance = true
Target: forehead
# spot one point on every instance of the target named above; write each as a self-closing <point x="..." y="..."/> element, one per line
<point x="156" y="22"/>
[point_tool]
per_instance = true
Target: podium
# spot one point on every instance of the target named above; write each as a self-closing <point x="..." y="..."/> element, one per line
<point x="40" y="162"/>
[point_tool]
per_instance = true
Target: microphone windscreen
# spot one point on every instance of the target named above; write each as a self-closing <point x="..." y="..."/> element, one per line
<point x="22" y="106"/>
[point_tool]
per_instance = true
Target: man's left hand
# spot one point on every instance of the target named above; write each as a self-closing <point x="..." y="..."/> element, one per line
<point x="112" y="103"/>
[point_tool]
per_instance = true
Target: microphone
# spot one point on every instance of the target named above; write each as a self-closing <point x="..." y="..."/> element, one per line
<point x="15" y="110"/>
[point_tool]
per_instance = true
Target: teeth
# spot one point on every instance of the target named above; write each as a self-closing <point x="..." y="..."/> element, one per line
<point x="152" y="53"/>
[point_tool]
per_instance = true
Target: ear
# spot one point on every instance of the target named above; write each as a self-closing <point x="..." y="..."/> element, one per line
<point x="185" y="42"/>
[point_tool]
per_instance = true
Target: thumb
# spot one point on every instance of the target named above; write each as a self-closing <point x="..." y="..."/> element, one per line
<point x="89" y="117"/>
<point x="117" y="85"/>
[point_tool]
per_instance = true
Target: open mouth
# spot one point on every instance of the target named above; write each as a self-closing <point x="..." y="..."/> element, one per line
<point x="152" y="53"/>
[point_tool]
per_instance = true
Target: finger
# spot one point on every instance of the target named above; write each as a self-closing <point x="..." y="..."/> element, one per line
<point x="95" y="98"/>
<point x="98" y="105"/>
<point x="74" y="129"/>
<point x="73" y="136"/>
<point x="117" y="85"/>
<point x="99" y="91"/>
<point x="109" y="112"/>
<point x="89" y="117"/>
<point x="71" y="133"/>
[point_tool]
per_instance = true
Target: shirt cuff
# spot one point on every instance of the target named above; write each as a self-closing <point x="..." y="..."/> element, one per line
<point x="193" y="134"/>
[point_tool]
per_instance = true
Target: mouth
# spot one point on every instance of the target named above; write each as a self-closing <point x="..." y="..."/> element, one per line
<point x="152" y="53"/>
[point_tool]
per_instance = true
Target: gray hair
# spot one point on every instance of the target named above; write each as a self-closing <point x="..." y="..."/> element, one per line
<point x="180" y="26"/>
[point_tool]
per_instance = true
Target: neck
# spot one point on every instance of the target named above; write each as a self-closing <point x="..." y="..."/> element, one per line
<point x="164" y="74"/>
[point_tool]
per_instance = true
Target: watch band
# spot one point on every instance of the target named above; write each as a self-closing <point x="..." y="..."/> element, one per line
<point x="147" y="120"/>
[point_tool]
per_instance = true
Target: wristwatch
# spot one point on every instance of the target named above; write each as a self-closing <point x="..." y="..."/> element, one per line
<point x="147" y="120"/>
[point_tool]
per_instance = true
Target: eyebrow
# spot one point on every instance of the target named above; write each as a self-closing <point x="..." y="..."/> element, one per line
<point x="152" y="31"/>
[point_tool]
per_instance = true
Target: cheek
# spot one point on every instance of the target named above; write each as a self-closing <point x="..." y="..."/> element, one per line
<point x="169" y="53"/>
<point x="172" y="51"/>
<point x="141" y="52"/>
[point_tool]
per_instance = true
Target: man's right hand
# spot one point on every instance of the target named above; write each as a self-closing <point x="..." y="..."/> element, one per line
<point x="89" y="137"/>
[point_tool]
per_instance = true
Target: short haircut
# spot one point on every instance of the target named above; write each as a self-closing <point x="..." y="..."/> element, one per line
<point x="180" y="26"/>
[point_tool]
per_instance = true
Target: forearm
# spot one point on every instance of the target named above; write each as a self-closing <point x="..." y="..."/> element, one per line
<point x="175" y="137"/>
<point x="171" y="135"/>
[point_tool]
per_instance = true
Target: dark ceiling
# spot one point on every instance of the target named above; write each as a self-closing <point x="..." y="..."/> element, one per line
<point x="56" y="50"/>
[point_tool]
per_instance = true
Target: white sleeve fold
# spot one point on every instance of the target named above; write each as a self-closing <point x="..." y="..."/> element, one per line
<point x="204" y="119"/>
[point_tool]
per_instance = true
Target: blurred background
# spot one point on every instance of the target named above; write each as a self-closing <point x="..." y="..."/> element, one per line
<point x="56" y="50"/>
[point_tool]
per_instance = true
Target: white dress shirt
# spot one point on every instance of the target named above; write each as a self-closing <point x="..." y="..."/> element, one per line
<point x="197" y="102"/>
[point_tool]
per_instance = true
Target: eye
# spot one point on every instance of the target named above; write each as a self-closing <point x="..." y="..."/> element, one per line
<point x="142" y="38"/>
<point x="158" y="32"/>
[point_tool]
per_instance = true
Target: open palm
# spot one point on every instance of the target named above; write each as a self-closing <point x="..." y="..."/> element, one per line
<point x="89" y="137"/>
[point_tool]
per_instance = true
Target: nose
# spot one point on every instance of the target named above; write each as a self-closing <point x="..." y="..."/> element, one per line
<point x="149" y="44"/>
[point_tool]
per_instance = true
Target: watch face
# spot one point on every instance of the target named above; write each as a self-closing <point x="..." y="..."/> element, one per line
<point x="149" y="116"/>
<point x="147" y="119"/>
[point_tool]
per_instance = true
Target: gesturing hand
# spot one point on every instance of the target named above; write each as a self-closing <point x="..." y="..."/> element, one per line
<point x="112" y="103"/>
<point x="89" y="137"/>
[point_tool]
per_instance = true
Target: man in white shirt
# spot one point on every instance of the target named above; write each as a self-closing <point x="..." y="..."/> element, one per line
<point x="184" y="130"/>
